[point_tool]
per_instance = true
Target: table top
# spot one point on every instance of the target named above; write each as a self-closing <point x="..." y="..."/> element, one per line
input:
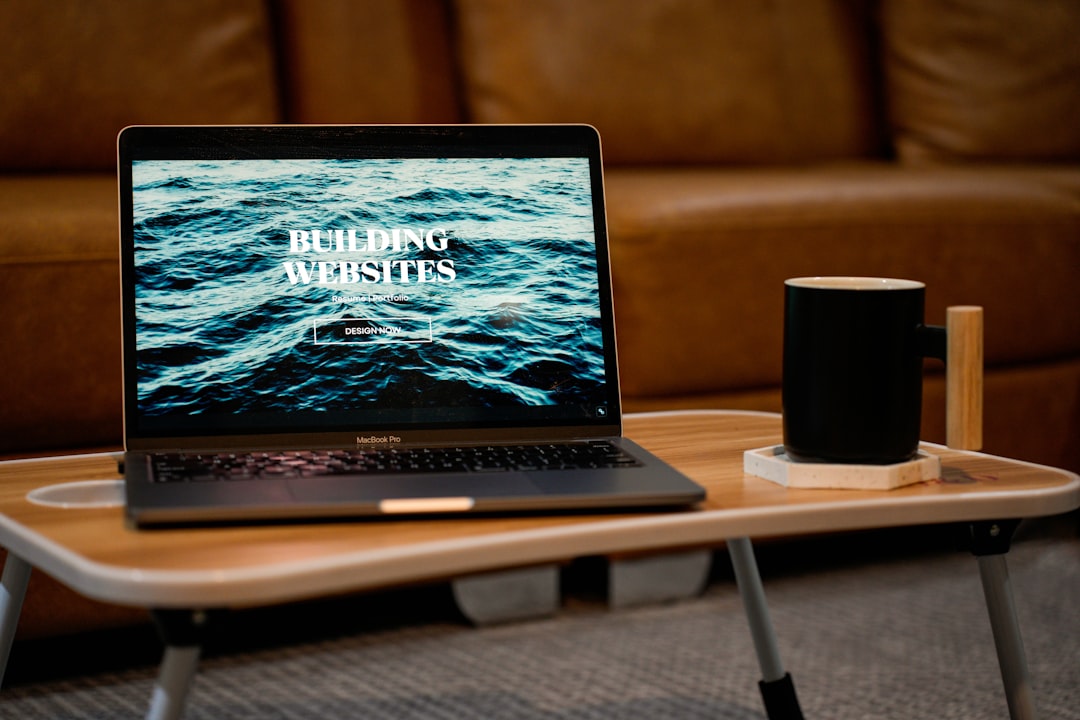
<point x="91" y="549"/>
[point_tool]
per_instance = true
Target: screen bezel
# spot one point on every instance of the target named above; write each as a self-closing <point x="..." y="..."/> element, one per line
<point x="359" y="141"/>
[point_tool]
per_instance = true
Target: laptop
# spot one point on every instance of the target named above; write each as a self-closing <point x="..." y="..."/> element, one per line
<point x="353" y="321"/>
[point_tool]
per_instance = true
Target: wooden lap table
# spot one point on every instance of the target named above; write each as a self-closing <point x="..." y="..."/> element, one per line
<point x="181" y="573"/>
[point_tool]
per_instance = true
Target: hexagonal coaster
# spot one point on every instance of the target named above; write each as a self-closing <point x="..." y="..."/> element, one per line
<point x="771" y="463"/>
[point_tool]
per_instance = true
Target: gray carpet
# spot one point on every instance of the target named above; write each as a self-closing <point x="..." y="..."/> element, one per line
<point x="874" y="625"/>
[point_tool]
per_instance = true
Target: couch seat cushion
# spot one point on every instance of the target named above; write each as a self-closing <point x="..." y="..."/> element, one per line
<point x="59" y="312"/>
<point x="712" y="248"/>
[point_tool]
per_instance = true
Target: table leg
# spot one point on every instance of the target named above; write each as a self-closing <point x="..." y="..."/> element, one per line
<point x="182" y="631"/>
<point x="508" y="595"/>
<point x="656" y="578"/>
<point x="12" y="591"/>
<point x="990" y="542"/>
<point x="777" y="687"/>
<point x="173" y="683"/>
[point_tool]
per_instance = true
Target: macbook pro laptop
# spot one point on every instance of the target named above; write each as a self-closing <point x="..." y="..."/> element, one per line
<point x="328" y="321"/>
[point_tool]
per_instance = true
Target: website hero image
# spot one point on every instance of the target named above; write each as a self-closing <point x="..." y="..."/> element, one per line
<point x="267" y="286"/>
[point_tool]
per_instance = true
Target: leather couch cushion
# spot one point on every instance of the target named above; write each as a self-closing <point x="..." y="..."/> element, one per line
<point x="59" y="313"/>
<point x="77" y="71"/>
<point x="699" y="258"/>
<point x="1030" y="411"/>
<point x="368" y="62"/>
<point x="983" y="79"/>
<point x="673" y="81"/>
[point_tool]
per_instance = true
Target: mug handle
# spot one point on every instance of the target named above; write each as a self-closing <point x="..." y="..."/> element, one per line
<point x="964" y="377"/>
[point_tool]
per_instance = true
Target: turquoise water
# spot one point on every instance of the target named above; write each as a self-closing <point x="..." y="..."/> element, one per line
<point x="249" y="302"/>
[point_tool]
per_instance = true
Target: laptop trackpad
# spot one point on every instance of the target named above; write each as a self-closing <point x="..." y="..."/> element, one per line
<point x="346" y="488"/>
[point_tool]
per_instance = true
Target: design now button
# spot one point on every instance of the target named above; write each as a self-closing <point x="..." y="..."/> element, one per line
<point x="351" y="331"/>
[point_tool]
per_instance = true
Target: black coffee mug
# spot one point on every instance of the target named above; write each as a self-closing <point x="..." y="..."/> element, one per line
<point x="853" y="368"/>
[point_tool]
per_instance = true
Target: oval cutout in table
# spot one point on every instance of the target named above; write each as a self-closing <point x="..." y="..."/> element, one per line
<point x="81" y="494"/>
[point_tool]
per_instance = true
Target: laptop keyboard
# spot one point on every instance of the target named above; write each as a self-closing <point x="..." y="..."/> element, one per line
<point x="189" y="467"/>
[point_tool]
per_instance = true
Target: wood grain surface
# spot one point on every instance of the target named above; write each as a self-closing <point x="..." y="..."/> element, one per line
<point x="92" y="550"/>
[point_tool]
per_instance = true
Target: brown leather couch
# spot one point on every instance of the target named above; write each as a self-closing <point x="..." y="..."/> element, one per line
<point x="745" y="142"/>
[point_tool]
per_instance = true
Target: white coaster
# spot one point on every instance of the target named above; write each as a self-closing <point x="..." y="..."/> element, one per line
<point x="773" y="464"/>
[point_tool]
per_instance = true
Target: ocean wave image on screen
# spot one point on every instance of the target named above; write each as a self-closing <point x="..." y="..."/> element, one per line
<point x="247" y="302"/>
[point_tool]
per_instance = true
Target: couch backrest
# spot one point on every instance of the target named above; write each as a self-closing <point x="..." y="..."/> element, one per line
<point x="983" y="80"/>
<point x="665" y="81"/>
<point x="368" y="61"/>
<point x="680" y="81"/>
<point x="76" y="71"/>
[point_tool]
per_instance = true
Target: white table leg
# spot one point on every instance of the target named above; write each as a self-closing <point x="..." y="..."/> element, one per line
<point x="989" y="541"/>
<point x="1006" y="629"/>
<point x="183" y="632"/>
<point x="174" y="681"/>
<point x="508" y="595"/>
<point x="777" y="687"/>
<point x="657" y="578"/>
<point x="12" y="591"/>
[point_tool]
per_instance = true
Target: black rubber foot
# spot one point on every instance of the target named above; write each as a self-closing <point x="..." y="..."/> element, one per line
<point x="780" y="700"/>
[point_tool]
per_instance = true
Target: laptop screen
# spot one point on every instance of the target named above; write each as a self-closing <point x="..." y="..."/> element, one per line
<point x="284" y="280"/>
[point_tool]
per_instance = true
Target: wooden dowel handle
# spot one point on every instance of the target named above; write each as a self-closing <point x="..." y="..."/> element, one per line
<point x="964" y="377"/>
